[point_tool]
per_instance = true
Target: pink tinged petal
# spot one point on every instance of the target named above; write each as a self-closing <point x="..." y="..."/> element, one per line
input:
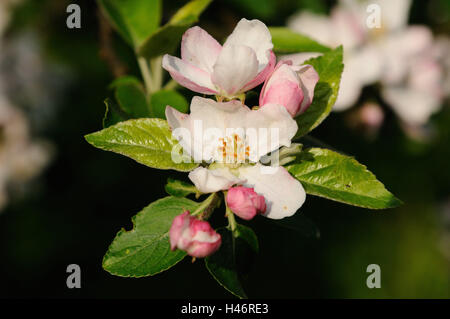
<point x="245" y="202"/>
<point x="194" y="236"/>
<point x="236" y="66"/>
<point x="348" y="27"/>
<point x="188" y="75"/>
<point x="308" y="80"/>
<point x="284" y="93"/>
<point x="282" y="73"/>
<point x="426" y="75"/>
<point x="298" y="58"/>
<point x="414" y="40"/>
<point x="179" y="225"/>
<point x="255" y="35"/>
<point x="200" y="49"/>
<point x="262" y="76"/>
<point x="205" y="241"/>
<point x="284" y="194"/>
<point x="213" y="180"/>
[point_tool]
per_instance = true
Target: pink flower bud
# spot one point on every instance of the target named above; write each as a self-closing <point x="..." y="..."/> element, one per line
<point x="245" y="203"/>
<point x="194" y="236"/>
<point x="290" y="86"/>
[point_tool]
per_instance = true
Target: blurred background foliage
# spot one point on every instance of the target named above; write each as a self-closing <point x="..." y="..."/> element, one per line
<point x="71" y="213"/>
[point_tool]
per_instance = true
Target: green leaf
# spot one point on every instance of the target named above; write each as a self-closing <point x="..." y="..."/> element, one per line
<point x="130" y="95"/>
<point x="147" y="141"/>
<point x="329" y="67"/>
<point x="287" y="41"/>
<point x="161" y="99"/>
<point x="233" y="259"/>
<point x="145" y="250"/>
<point x="135" y="20"/>
<point x="167" y="38"/>
<point x="341" y="178"/>
<point x="180" y="189"/>
<point x="299" y="223"/>
<point x="114" y="114"/>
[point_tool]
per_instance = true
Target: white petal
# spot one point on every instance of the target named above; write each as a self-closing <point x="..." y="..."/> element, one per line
<point x="213" y="180"/>
<point x="283" y="193"/>
<point x="317" y="27"/>
<point x="299" y="58"/>
<point x="188" y="75"/>
<point x="253" y="34"/>
<point x="369" y="62"/>
<point x="394" y="13"/>
<point x="412" y="106"/>
<point x="200" y="49"/>
<point x="236" y="66"/>
<point x="350" y="86"/>
<point x="199" y="132"/>
<point x="348" y="28"/>
<point x="274" y="127"/>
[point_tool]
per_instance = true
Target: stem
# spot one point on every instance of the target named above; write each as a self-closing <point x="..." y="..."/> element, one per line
<point x="170" y="85"/>
<point x="206" y="207"/>
<point x="231" y="220"/>
<point x="146" y="74"/>
<point x="157" y="72"/>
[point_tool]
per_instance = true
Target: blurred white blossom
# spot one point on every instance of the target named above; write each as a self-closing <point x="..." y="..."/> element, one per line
<point x="27" y="96"/>
<point x="404" y="59"/>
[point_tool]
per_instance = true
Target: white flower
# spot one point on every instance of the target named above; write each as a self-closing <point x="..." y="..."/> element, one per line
<point x="393" y="54"/>
<point x="235" y="138"/>
<point x="244" y="61"/>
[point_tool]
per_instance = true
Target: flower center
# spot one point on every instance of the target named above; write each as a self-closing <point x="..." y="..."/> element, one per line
<point x="232" y="149"/>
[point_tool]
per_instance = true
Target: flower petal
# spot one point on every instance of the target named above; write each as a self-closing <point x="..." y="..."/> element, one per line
<point x="348" y="27"/>
<point x="188" y="75"/>
<point x="267" y="129"/>
<point x="283" y="193"/>
<point x="253" y="34"/>
<point x="262" y="76"/>
<point x="236" y="66"/>
<point x="412" y="106"/>
<point x="200" y="49"/>
<point x="308" y="80"/>
<point x="213" y="180"/>
<point x="316" y="26"/>
<point x="299" y="58"/>
<point x="199" y="133"/>
<point x="350" y="86"/>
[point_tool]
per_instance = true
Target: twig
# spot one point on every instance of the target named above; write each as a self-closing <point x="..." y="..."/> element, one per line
<point x="106" y="52"/>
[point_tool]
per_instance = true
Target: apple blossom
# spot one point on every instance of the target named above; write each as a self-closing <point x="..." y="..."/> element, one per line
<point x="194" y="236"/>
<point x="244" y="202"/>
<point x="373" y="54"/>
<point x="243" y="62"/>
<point x="291" y="86"/>
<point x="233" y="139"/>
